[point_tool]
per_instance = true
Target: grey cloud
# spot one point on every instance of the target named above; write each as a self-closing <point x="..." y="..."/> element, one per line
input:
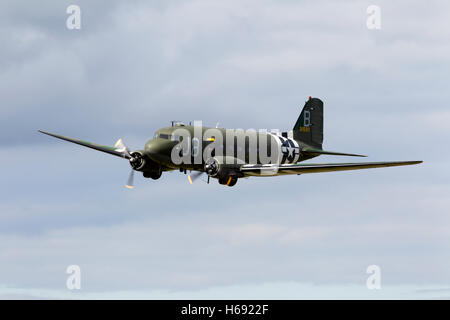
<point x="135" y="66"/>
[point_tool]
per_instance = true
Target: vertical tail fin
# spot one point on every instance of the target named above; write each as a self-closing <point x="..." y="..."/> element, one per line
<point x="309" y="125"/>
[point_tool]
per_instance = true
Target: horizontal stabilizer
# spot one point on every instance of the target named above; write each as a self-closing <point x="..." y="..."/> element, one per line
<point x="315" y="151"/>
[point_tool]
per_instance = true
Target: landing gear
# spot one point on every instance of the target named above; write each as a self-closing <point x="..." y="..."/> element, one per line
<point x="229" y="181"/>
<point x="155" y="175"/>
<point x="232" y="182"/>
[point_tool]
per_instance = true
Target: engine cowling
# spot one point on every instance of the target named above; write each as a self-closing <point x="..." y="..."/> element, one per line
<point x="140" y="162"/>
<point x="212" y="167"/>
<point x="221" y="167"/>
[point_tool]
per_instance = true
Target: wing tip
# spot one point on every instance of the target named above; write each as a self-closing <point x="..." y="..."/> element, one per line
<point x="47" y="133"/>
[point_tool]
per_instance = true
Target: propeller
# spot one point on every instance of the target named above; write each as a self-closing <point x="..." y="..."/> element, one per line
<point x="130" y="182"/>
<point x="194" y="176"/>
<point x="211" y="169"/>
<point x="121" y="147"/>
<point x="134" y="158"/>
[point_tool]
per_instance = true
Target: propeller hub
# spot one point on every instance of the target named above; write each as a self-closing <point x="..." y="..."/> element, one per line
<point x="212" y="167"/>
<point x="137" y="161"/>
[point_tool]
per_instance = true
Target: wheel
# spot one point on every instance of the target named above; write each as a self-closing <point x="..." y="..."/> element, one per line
<point x="229" y="181"/>
<point x="155" y="175"/>
<point x="232" y="182"/>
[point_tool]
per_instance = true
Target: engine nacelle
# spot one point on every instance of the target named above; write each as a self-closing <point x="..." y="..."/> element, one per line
<point x="140" y="162"/>
<point x="222" y="167"/>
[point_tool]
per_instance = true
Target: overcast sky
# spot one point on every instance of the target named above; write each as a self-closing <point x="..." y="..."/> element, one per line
<point x="135" y="65"/>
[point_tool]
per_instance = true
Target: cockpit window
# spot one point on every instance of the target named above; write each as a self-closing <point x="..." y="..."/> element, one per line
<point x="167" y="137"/>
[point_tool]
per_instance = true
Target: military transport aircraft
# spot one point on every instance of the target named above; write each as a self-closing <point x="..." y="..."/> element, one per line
<point x="201" y="149"/>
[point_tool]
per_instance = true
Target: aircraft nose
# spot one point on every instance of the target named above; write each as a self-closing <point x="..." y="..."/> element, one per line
<point x="152" y="147"/>
<point x="157" y="150"/>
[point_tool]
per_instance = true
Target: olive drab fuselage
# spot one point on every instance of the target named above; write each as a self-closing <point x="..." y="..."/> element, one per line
<point x="278" y="148"/>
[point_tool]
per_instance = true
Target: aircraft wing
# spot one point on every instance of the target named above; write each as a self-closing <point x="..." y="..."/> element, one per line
<point x="297" y="168"/>
<point x="111" y="150"/>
